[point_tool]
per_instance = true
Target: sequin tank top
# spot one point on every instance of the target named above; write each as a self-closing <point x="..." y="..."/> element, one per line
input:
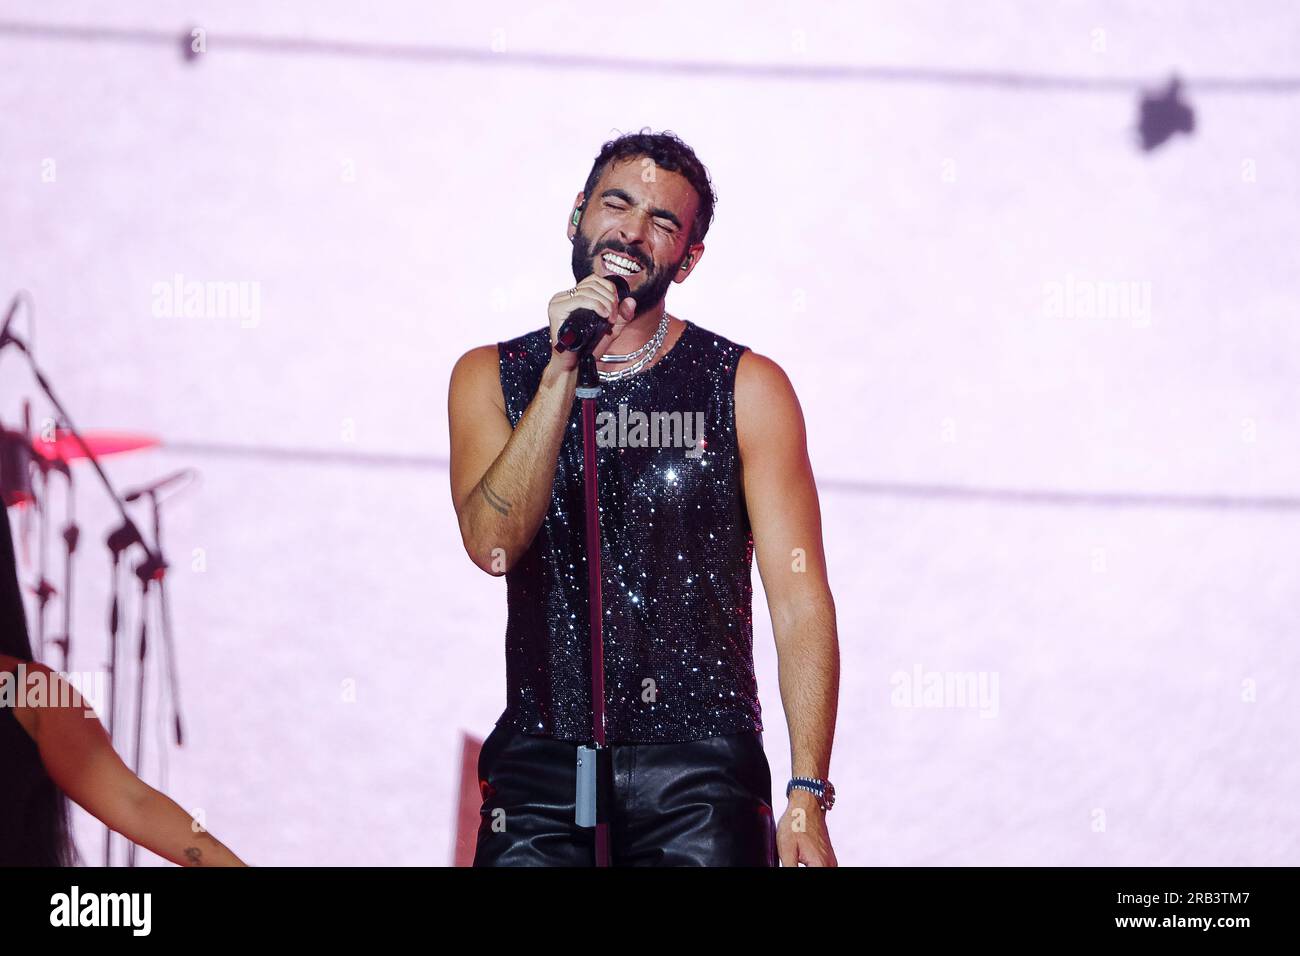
<point x="676" y="553"/>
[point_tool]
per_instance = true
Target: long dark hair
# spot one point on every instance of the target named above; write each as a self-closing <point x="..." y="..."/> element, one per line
<point x="35" y="827"/>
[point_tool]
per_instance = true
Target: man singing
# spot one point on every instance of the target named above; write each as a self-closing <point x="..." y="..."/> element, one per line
<point x="719" y="473"/>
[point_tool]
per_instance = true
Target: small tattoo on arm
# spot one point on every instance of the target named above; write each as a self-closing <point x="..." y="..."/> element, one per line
<point x="194" y="855"/>
<point x="494" y="499"/>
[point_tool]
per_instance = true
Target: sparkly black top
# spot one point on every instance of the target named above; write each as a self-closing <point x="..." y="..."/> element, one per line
<point x="676" y="553"/>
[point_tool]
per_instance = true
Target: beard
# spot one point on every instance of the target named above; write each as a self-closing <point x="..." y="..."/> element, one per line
<point x="653" y="287"/>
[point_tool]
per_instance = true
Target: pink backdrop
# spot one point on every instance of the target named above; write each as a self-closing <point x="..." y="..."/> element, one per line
<point x="1096" y="513"/>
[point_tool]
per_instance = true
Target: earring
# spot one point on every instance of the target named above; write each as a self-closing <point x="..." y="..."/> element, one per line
<point x="576" y="216"/>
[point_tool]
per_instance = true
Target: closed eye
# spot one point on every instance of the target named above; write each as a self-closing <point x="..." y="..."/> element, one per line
<point x="668" y="227"/>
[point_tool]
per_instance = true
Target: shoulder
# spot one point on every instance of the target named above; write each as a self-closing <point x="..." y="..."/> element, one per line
<point x="760" y="382"/>
<point x="766" y="404"/>
<point x="474" y="378"/>
<point x="760" y="372"/>
<point x="475" y="362"/>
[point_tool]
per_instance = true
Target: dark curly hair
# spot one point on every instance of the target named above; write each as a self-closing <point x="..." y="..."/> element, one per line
<point x="668" y="152"/>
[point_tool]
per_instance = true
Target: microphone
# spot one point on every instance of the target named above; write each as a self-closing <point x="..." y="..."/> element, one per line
<point x="158" y="485"/>
<point x="585" y="327"/>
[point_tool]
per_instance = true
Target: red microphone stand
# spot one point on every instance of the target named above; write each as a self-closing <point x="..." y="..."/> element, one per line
<point x="593" y="770"/>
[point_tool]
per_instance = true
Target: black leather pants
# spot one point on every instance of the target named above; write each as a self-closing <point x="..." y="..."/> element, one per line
<point x="701" y="803"/>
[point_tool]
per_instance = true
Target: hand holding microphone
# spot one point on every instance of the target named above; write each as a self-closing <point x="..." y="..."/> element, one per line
<point x="599" y="307"/>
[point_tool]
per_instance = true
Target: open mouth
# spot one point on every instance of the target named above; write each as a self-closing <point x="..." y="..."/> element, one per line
<point x="619" y="264"/>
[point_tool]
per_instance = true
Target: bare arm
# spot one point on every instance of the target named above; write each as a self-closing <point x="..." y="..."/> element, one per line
<point x="80" y="759"/>
<point x="781" y="496"/>
<point x="501" y="479"/>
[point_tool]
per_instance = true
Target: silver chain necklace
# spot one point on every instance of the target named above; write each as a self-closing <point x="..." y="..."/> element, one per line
<point x="660" y="330"/>
<point x="639" y="357"/>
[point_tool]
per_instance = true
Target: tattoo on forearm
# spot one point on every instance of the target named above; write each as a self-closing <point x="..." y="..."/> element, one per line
<point x="194" y="855"/>
<point x="494" y="499"/>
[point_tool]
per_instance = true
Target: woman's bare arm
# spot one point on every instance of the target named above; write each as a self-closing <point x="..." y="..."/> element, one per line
<point x="80" y="759"/>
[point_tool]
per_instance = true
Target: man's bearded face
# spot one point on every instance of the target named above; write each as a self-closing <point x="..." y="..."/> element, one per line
<point x="651" y="283"/>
